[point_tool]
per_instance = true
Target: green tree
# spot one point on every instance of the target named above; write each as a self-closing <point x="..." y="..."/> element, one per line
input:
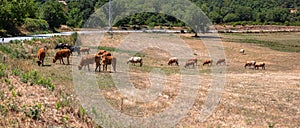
<point x="14" y="12"/>
<point x="75" y="18"/>
<point x="215" y="17"/>
<point x="231" y="17"/>
<point x="54" y="13"/>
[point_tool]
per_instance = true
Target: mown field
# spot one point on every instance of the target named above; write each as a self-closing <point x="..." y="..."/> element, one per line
<point x="251" y="98"/>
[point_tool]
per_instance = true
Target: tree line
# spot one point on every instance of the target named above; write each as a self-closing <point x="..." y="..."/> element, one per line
<point x="45" y="15"/>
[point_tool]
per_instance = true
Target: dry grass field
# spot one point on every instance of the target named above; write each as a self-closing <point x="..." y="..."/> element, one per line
<point x="251" y="98"/>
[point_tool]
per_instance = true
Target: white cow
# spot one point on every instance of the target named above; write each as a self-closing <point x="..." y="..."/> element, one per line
<point x="135" y="60"/>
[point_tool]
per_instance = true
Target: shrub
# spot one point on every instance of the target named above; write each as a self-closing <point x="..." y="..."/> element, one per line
<point x="2" y="70"/>
<point x="34" y="78"/>
<point x="74" y="37"/>
<point x="34" y="112"/>
<point x="16" y="72"/>
<point x="35" y="24"/>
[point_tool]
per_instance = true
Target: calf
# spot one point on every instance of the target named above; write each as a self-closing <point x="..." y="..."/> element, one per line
<point x="61" y="54"/>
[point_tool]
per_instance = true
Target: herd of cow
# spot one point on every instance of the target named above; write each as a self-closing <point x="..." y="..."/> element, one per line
<point x="105" y="58"/>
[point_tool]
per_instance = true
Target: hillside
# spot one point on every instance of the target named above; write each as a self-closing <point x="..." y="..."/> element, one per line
<point x="45" y="96"/>
<point x="40" y="16"/>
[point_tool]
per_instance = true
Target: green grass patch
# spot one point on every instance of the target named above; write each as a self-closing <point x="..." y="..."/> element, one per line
<point x="33" y="77"/>
<point x="3" y="68"/>
<point x="105" y="81"/>
<point x="286" y="42"/>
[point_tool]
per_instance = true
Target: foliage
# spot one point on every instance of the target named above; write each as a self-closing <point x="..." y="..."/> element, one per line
<point x="34" y="78"/>
<point x="92" y="13"/>
<point x="34" y="111"/>
<point x="14" y="12"/>
<point x="3" y="70"/>
<point x="35" y="24"/>
<point x="54" y="13"/>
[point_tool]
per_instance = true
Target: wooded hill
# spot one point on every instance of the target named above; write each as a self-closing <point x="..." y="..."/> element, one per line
<point x="45" y="15"/>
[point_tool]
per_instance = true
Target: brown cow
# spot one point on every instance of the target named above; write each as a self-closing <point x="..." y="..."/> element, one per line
<point x="191" y="62"/>
<point x="109" y="60"/>
<point x="259" y="64"/>
<point x="61" y="54"/>
<point x="41" y="55"/>
<point x="173" y="60"/>
<point x="85" y="49"/>
<point x="220" y="61"/>
<point x="208" y="62"/>
<point x="103" y="52"/>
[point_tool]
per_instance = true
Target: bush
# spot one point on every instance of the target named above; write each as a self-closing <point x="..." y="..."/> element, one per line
<point x="35" y="24"/>
<point x="35" y="78"/>
<point x="2" y="70"/>
<point x="74" y="37"/>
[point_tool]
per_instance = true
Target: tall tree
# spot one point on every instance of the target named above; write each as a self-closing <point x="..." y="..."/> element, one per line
<point x="54" y="13"/>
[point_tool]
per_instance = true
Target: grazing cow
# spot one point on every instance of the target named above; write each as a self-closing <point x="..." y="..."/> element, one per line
<point x="208" y="62"/>
<point x="191" y="62"/>
<point x="250" y="63"/>
<point x="188" y="63"/>
<point x="61" y="46"/>
<point x="89" y="59"/>
<point x="195" y="60"/>
<point x="41" y="55"/>
<point x="109" y="60"/>
<point x="85" y="49"/>
<point x="259" y="64"/>
<point x="135" y="60"/>
<point x="61" y="54"/>
<point x="173" y="60"/>
<point x="220" y="61"/>
<point x="74" y="49"/>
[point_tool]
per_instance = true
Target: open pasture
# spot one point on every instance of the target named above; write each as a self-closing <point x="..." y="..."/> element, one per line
<point x="251" y="98"/>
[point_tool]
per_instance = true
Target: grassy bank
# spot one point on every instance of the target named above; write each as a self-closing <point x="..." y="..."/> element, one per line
<point x="286" y="42"/>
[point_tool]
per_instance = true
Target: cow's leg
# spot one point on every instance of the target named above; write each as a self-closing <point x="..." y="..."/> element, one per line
<point x="103" y="67"/>
<point x="68" y="60"/>
<point x="42" y="62"/>
<point x="62" y="59"/>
